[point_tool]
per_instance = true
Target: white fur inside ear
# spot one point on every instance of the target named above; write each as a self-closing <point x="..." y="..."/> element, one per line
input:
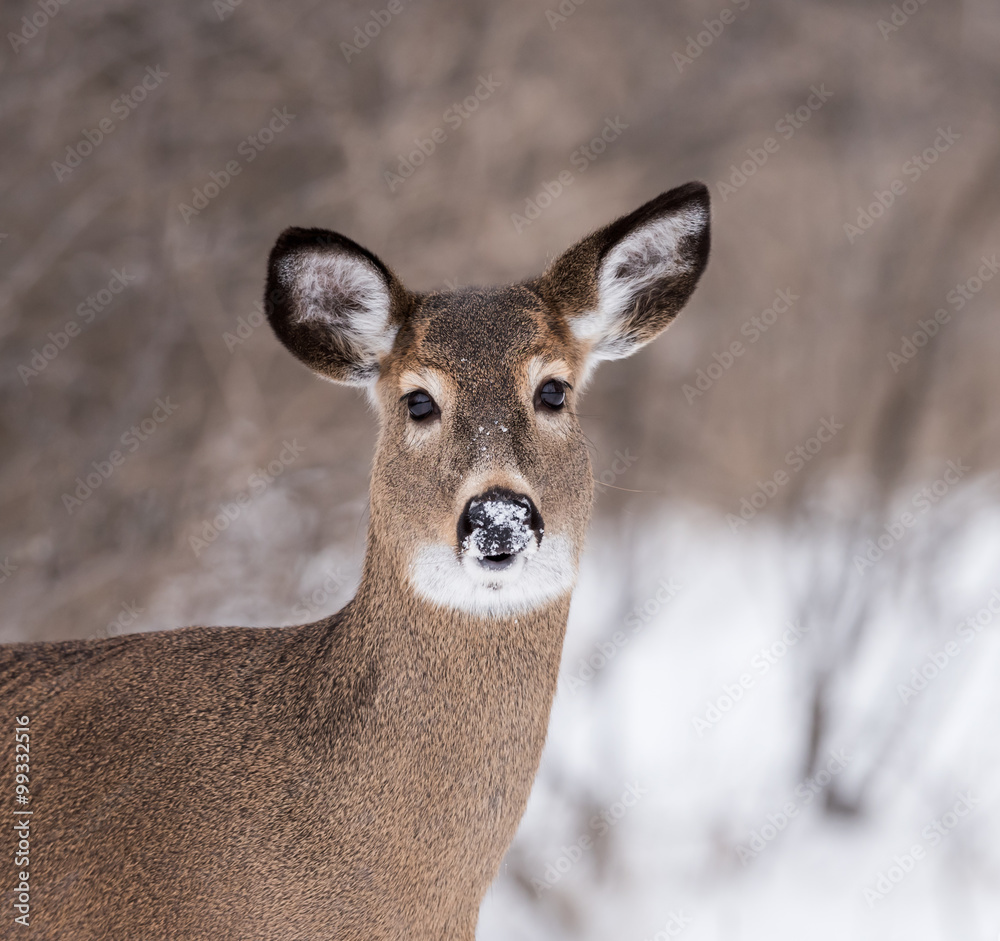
<point x="645" y="256"/>
<point x="344" y="292"/>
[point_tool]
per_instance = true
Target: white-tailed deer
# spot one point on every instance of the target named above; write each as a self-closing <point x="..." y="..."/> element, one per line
<point x="361" y="777"/>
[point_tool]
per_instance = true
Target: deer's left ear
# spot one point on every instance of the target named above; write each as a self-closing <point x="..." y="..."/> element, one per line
<point x="621" y="286"/>
<point x="333" y="304"/>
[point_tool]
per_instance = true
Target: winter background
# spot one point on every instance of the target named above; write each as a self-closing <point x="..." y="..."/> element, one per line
<point x="779" y="714"/>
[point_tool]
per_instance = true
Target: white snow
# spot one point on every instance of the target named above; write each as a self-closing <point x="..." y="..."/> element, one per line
<point x="629" y="719"/>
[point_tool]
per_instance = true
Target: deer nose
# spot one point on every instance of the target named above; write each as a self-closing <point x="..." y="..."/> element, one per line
<point x="499" y="525"/>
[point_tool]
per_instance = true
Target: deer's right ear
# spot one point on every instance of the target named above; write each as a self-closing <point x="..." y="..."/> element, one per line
<point x="621" y="286"/>
<point x="333" y="304"/>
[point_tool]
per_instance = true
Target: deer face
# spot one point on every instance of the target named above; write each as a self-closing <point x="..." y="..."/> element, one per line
<point x="481" y="486"/>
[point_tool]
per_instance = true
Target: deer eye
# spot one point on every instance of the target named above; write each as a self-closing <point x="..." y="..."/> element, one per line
<point x="421" y="405"/>
<point x="551" y="395"/>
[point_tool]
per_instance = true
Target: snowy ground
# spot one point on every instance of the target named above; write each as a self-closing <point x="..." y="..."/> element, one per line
<point x="725" y="837"/>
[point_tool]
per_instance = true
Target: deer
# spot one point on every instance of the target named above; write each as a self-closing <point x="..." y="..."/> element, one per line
<point x="360" y="777"/>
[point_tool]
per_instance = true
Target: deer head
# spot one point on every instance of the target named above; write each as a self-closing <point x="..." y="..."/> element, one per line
<point x="481" y="487"/>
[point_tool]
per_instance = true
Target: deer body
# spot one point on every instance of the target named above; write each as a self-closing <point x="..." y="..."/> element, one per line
<point x="360" y="777"/>
<point x="319" y="783"/>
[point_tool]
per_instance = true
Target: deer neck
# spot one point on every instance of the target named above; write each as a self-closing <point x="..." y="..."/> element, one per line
<point x="455" y="709"/>
<point x="486" y="677"/>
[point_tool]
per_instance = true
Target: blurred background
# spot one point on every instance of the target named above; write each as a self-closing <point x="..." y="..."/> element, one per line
<point x="778" y="711"/>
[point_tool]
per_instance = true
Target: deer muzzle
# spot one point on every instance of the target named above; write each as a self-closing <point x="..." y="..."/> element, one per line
<point x="499" y="526"/>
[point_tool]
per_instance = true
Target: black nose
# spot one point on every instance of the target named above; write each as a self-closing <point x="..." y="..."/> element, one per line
<point x="497" y="525"/>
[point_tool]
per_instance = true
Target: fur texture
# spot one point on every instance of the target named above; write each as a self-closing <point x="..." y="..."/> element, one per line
<point x="361" y="777"/>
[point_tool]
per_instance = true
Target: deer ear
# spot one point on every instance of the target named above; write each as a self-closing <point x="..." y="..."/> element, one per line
<point x="621" y="286"/>
<point x="333" y="304"/>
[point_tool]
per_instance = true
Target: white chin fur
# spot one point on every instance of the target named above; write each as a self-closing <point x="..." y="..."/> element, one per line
<point x="439" y="575"/>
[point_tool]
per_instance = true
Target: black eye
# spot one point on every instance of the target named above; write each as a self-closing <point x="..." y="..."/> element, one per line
<point x="421" y="405"/>
<point x="552" y="395"/>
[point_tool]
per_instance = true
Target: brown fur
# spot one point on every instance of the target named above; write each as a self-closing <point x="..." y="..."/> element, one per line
<point x="359" y="777"/>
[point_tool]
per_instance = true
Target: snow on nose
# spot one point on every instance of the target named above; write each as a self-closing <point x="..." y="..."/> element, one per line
<point x="498" y="528"/>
